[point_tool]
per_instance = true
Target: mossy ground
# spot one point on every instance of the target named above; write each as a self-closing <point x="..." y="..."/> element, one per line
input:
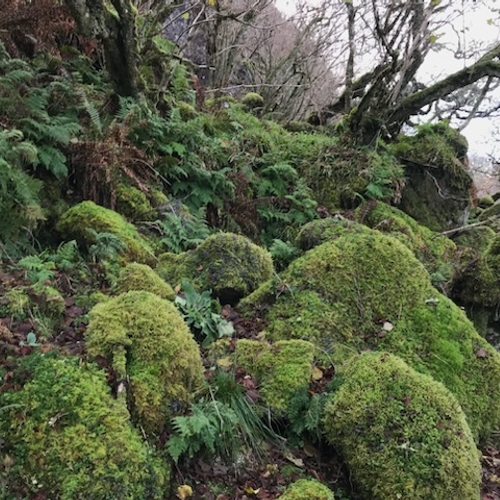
<point x="147" y="343"/>
<point x="402" y="433"/>
<point x="64" y="436"/>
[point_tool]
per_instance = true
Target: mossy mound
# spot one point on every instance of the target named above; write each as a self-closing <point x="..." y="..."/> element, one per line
<point x="402" y="434"/>
<point x="438" y="253"/>
<point x="228" y="264"/>
<point x="147" y="342"/>
<point x="64" y="436"/>
<point x="132" y="203"/>
<point x="478" y="237"/>
<point x="136" y="276"/>
<point x="307" y="489"/>
<point x="368" y="291"/>
<point x="76" y="222"/>
<point x="281" y="369"/>
<point x="491" y="211"/>
<point x="438" y="182"/>
<point x="319" y="231"/>
<point x="485" y="201"/>
<point x="252" y="100"/>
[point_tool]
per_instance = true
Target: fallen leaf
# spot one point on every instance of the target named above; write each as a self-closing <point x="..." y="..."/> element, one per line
<point x="298" y="462"/>
<point x="224" y="362"/>
<point x="388" y="326"/>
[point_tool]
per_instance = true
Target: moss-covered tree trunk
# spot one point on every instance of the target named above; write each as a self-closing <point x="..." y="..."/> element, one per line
<point x="115" y="28"/>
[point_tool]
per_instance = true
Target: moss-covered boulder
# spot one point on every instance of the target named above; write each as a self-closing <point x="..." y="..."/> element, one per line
<point x="281" y="369"/>
<point x="402" y="434"/>
<point x="307" y="489"/>
<point x="146" y="342"/>
<point x="438" y="181"/>
<point x="368" y="291"/>
<point x="437" y="252"/>
<point x="485" y="201"/>
<point x="137" y="276"/>
<point x="64" y="436"/>
<point x="76" y="222"/>
<point x="228" y="264"/>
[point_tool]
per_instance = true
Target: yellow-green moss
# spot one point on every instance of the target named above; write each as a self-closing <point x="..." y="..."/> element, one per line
<point x="478" y="237"/>
<point x="146" y="341"/>
<point x="64" y="435"/>
<point x="438" y="253"/>
<point x="368" y="291"/>
<point x="281" y="369"/>
<point x="319" y="231"/>
<point x="228" y="264"/>
<point x="74" y="224"/>
<point x="133" y="203"/>
<point x="136" y="276"/>
<point x="307" y="489"/>
<point x="485" y="201"/>
<point x="402" y="434"/>
<point x="252" y="100"/>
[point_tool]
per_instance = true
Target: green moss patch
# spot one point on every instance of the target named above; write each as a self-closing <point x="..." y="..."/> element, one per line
<point x="64" y="436"/>
<point x="136" y="276"/>
<point x="403" y="435"/>
<point x="147" y="343"/>
<point x="307" y="489"/>
<point x="228" y="264"/>
<point x="75" y="223"/>
<point x="281" y="369"/>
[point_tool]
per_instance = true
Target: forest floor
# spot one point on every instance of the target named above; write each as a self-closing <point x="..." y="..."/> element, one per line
<point x="262" y="478"/>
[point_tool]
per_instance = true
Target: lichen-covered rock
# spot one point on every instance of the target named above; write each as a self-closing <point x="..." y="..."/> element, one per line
<point x="64" y="436"/>
<point x="402" y="434"/>
<point x="281" y="369"/>
<point x="147" y="342"/>
<point x="75" y="223"/>
<point x="438" y="182"/>
<point x="228" y="264"/>
<point x="307" y="489"/>
<point x="368" y="291"/>
<point x="137" y="276"/>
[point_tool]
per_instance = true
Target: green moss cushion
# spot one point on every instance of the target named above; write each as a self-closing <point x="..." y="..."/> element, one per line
<point x="76" y="221"/>
<point x="64" y="436"/>
<point x="307" y="489"/>
<point x="137" y="276"/>
<point x="402" y="434"/>
<point x="147" y="343"/>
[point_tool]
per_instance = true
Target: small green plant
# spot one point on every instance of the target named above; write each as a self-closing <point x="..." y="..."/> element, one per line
<point x="31" y="340"/>
<point x="202" y="314"/>
<point x="221" y="423"/>
<point x="37" y="269"/>
<point x="106" y="247"/>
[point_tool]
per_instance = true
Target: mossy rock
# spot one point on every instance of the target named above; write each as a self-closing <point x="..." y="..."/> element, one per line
<point x="75" y="223"/>
<point x="64" y="436"/>
<point x="281" y="369"/>
<point x="137" y="276"/>
<point x="438" y="182"/>
<point x="252" y="100"/>
<point x="437" y="252"/>
<point x="478" y="237"/>
<point x="187" y="111"/>
<point x="146" y="341"/>
<point x="485" y="201"/>
<point x="402" y="434"/>
<point x="368" y="291"/>
<point x="307" y="489"/>
<point x="132" y="203"/>
<point x="228" y="264"/>
<point x="319" y="231"/>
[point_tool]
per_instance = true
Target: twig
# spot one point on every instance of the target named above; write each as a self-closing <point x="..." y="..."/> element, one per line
<point x="466" y="227"/>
